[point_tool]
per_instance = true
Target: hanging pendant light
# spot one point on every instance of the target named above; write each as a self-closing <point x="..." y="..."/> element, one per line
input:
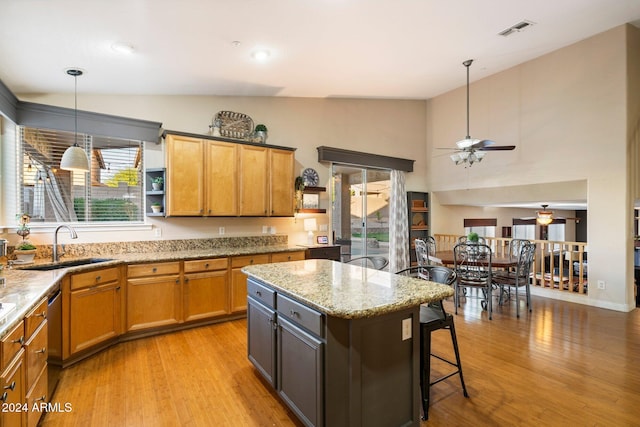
<point x="74" y="157"/>
<point x="544" y="217"/>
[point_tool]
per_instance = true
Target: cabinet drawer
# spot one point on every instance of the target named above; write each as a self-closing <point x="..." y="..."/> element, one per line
<point x="300" y="314"/>
<point x="206" y="265"/>
<point x="11" y="344"/>
<point x="93" y="278"/>
<point x="287" y="256"/>
<point x="35" y="318"/>
<point x="329" y="252"/>
<point x="153" y="269"/>
<point x="36" y="354"/>
<point x="36" y="396"/>
<point x="241" y="261"/>
<point x="261" y="293"/>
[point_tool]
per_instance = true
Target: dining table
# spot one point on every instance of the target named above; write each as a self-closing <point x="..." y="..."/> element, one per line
<point x="447" y="258"/>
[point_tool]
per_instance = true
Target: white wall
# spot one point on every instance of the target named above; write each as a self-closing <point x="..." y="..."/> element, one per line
<point x="566" y="112"/>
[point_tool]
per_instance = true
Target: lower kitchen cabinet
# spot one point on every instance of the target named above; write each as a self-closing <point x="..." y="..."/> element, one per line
<point x="239" y="279"/>
<point x="206" y="288"/>
<point x="153" y="295"/>
<point x="261" y="322"/>
<point x="91" y="313"/>
<point x="35" y="356"/>
<point x="12" y="381"/>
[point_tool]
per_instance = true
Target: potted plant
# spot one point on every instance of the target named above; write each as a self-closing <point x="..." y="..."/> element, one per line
<point x="473" y="237"/>
<point x="299" y="188"/>
<point x="261" y="133"/>
<point x="156" y="207"/>
<point x="25" y="252"/>
<point x="157" y="183"/>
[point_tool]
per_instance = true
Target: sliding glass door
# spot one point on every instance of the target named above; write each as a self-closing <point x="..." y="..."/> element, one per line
<point x="360" y="210"/>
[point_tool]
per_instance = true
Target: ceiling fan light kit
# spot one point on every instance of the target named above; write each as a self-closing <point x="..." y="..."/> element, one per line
<point x="544" y="217"/>
<point x="472" y="150"/>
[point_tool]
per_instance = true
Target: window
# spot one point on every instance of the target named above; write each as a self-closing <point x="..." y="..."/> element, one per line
<point x="524" y="228"/>
<point x="556" y="231"/>
<point x="485" y="227"/>
<point x="111" y="192"/>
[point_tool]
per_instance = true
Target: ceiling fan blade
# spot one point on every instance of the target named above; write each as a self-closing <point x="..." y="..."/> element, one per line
<point x="498" y="148"/>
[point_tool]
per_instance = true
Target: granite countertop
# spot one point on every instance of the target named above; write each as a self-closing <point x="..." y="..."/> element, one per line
<point x="345" y="290"/>
<point x="25" y="288"/>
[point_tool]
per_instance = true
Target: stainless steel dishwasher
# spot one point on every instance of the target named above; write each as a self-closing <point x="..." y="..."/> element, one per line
<point x="54" y="318"/>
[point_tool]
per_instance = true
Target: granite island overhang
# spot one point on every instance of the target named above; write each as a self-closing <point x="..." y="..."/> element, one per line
<point x="340" y="343"/>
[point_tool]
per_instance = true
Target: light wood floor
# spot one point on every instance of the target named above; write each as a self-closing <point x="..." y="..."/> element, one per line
<point x="562" y="365"/>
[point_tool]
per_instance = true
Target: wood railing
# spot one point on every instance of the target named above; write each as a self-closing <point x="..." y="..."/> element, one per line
<point x="557" y="265"/>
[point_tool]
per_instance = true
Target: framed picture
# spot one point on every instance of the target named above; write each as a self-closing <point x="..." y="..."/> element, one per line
<point x="310" y="201"/>
<point x="323" y="240"/>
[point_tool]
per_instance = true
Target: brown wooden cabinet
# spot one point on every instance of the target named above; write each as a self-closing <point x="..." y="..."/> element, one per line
<point x="91" y="313"/>
<point x="206" y="288"/>
<point x="35" y="356"/>
<point x="221" y="178"/>
<point x="239" y="279"/>
<point x="12" y="381"/>
<point x="324" y="252"/>
<point x="185" y="176"/>
<point x="211" y="177"/>
<point x="281" y="191"/>
<point x="153" y="295"/>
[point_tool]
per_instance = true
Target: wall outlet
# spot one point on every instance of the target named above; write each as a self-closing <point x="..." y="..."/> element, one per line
<point x="265" y="229"/>
<point x="221" y="230"/>
<point x="272" y="230"/>
<point x="406" y="329"/>
<point x="601" y="284"/>
<point x="157" y="232"/>
<point x="324" y="227"/>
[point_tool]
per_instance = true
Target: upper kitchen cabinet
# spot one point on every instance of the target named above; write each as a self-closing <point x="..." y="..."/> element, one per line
<point x="222" y="177"/>
<point x="185" y="176"/>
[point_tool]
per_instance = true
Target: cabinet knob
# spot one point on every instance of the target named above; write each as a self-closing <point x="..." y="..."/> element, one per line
<point x="4" y="397"/>
<point x="43" y="350"/>
<point x="19" y="340"/>
<point x="293" y="313"/>
<point x="41" y="398"/>
<point x="259" y="293"/>
<point x="186" y="280"/>
<point x="250" y="261"/>
<point x="43" y="315"/>
<point x="177" y="281"/>
<point x="98" y="278"/>
<point x="154" y="270"/>
<point x="11" y="386"/>
<point x="206" y="265"/>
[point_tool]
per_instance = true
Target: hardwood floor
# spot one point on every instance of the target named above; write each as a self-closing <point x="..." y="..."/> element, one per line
<point x="562" y="365"/>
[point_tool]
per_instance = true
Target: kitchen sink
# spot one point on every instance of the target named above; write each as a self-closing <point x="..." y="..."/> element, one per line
<point x="65" y="264"/>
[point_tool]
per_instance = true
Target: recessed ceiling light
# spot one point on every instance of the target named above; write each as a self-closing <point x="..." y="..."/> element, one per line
<point x="260" y="54"/>
<point x="122" y="47"/>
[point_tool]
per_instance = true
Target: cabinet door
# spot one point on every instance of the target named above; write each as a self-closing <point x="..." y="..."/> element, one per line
<point x="281" y="182"/>
<point x="13" y="394"/>
<point x="153" y="301"/>
<point x="300" y="367"/>
<point x="221" y="179"/>
<point x="185" y="168"/>
<point x="94" y="316"/>
<point x="239" y="279"/>
<point x="205" y="295"/>
<point x="254" y="180"/>
<point x="262" y="339"/>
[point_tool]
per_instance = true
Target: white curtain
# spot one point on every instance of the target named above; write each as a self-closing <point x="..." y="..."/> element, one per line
<point x="399" y="224"/>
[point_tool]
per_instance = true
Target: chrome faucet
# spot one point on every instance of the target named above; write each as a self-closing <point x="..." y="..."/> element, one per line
<point x="73" y="234"/>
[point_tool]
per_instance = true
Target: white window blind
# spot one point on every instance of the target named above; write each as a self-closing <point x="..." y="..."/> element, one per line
<point x="111" y="192"/>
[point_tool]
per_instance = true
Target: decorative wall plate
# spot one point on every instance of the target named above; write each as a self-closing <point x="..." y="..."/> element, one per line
<point x="234" y="125"/>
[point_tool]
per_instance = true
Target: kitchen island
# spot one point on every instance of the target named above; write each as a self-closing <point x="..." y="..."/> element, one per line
<point x="339" y="343"/>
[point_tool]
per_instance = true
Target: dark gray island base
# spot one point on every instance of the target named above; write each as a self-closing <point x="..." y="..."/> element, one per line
<point x="339" y="343"/>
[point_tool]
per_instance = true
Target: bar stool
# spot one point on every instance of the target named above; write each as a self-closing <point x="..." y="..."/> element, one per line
<point x="433" y="317"/>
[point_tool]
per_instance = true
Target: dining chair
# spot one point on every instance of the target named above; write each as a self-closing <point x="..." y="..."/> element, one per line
<point x="481" y="240"/>
<point x="517" y="277"/>
<point x="433" y="317"/>
<point x="376" y="261"/>
<point x="515" y="245"/>
<point x="472" y="264"/>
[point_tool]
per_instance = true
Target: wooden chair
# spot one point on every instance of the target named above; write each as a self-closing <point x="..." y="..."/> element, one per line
<point x="433" y="317"/>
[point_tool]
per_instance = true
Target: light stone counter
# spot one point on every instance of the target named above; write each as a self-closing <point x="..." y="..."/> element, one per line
<point x="347" y="291"/>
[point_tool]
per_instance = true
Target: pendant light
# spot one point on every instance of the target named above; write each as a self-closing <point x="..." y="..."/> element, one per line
<point x="74" y="157"/>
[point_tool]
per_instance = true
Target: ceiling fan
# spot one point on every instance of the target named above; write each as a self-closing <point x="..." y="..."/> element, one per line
<point x="546" y="217"/>
<point x="470" y="150"/>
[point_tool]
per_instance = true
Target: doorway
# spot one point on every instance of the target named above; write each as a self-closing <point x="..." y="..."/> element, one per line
<point x="360" y="210"/>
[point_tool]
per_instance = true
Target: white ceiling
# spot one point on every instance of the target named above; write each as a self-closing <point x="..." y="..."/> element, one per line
<point x="411" y="49"/>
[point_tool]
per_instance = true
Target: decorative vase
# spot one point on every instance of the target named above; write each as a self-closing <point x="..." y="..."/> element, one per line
<point x="156" y="209"/>
<point x="262" y="135"/>
<point x="156" y="186"/>
<point x="25" y="256"/>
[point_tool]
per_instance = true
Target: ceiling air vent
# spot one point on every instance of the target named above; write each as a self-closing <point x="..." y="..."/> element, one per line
<point x="520" y="26"/>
